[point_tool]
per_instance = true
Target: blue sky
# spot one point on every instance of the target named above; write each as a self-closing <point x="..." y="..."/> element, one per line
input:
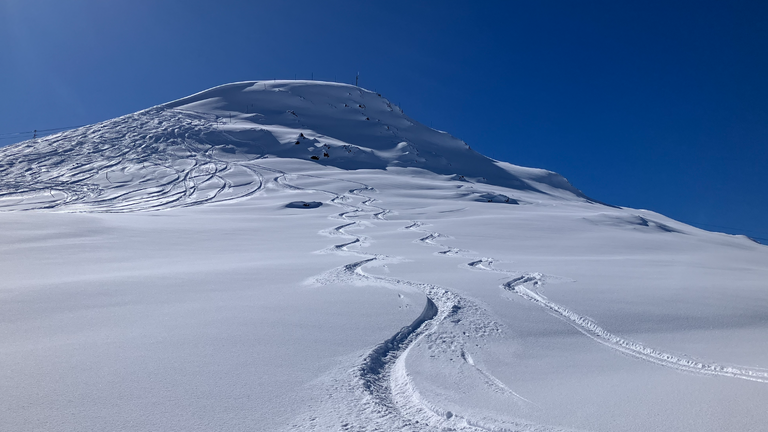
<point x="656" y="105"/>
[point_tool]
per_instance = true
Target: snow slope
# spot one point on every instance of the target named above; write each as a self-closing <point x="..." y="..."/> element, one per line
<point x="197" y="150"/>
<point x="398" y="280"/>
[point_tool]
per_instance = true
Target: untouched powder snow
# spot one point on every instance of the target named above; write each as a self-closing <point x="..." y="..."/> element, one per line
<point x="299" y="255"/>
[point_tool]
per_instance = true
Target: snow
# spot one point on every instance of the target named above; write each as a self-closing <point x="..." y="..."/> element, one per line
<point x="190" y="267"/>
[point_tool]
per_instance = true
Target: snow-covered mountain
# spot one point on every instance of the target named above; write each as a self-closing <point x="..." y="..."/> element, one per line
<point x="324" y="262"/>
<point x="200" y="149"/>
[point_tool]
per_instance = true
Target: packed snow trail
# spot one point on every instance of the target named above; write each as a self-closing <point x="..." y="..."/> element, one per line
<point x="525" y="285"/>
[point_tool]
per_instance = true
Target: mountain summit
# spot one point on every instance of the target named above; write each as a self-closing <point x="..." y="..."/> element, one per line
<point x="200" y="149"/>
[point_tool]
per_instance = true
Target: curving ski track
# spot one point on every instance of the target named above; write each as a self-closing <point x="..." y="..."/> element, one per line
<point x="525" y="285"/>
<point x="386" y="396"/>
<point x="152" y="160"/>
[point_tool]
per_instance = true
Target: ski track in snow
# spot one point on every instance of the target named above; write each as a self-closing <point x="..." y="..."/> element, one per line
<point x="525" y="285"/>
<point x="388" y="399"/>
<point x="152" y="160"/>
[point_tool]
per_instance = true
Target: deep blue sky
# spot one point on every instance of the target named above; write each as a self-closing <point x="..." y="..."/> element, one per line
<point x="657" y="105"/>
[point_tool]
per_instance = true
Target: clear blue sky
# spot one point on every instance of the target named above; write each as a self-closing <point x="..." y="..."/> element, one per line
<point x="660" y="105"/>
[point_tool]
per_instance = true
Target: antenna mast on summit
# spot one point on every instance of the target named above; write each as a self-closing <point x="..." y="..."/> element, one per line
<point x="357" y="79"/>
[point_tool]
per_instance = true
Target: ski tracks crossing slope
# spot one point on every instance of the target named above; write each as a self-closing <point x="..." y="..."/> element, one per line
<point x="155" y="159"/>
<point x="526" y="284"/>
<point x="381" y="395"/>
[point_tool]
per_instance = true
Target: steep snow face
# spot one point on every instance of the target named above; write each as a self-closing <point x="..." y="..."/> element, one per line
<point x="200" y="149"/>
